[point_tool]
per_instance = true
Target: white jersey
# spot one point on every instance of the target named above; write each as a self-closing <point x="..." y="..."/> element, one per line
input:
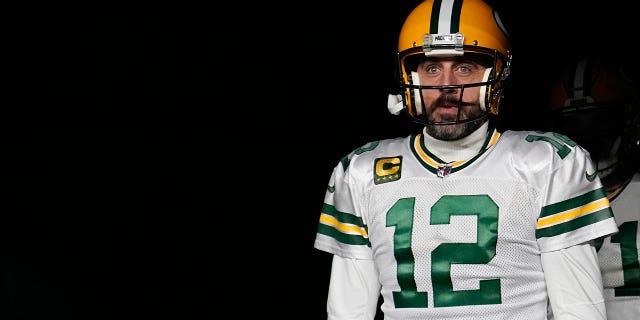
<point x="462" y="240"/>
<point x="618" y="256"/>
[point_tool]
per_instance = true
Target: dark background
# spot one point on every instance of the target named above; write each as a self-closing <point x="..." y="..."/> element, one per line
<point x="170" y="160"/>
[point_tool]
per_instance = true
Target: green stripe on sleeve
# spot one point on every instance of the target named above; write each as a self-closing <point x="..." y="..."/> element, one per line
<point x="574" y="224"/>
<point x="573" y="203"/>
<point x="344" y="238"/>
<point x="343" y="217"/>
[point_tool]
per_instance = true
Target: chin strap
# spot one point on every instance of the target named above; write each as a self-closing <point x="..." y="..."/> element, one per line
<point x="394" y="104"/>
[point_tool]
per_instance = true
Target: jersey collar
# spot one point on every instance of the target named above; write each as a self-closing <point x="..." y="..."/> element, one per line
<point x="437" y="166"/>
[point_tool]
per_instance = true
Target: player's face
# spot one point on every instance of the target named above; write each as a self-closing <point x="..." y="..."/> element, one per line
<point x="452" y="104"/>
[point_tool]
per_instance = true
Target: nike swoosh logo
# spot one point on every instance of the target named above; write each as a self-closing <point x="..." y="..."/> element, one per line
<point x="592" y="176"/>
<point x="331" y="188"/>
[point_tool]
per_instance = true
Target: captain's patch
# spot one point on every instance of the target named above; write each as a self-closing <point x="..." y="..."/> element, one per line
<point x="387" y="169"/>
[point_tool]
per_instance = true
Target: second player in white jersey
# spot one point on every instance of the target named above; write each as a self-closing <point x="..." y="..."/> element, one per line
<point x="618" y="256"/>
<point x="594" y="100"/>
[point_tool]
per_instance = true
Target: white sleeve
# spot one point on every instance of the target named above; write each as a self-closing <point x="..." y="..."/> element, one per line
<point x="574" y="283"/>
<point x="354" y="289"/>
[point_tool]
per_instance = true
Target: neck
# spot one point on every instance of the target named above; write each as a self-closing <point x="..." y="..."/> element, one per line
<point x="460" y="149"/>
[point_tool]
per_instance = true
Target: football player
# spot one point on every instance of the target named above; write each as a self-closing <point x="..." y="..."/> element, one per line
<point x="461" y="220"/>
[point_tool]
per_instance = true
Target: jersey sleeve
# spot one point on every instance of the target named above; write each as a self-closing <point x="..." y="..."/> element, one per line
<point x="341" y="229"/>
<point x="575" y="206"/>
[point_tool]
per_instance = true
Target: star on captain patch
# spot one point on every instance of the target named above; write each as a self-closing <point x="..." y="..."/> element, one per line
<point x="387" y="169"/>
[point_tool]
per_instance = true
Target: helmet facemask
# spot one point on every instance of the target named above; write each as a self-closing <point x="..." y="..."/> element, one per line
<point x="489" y="93"/>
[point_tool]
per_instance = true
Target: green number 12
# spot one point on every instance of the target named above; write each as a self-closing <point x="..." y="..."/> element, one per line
<point x="482" y="251"/>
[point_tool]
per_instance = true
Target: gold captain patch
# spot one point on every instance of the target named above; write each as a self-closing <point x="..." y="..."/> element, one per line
<point x="387" y="169"/>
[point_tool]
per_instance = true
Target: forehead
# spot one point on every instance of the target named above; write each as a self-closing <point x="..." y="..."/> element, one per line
<point x="467" y="58"/>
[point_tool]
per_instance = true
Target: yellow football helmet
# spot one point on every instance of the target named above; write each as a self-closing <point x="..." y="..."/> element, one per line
<point x="594" y="101"/>
<point x="444" y="28"/>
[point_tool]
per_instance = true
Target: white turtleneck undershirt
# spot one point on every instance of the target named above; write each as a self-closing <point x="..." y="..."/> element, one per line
<point x="457" y="150"/>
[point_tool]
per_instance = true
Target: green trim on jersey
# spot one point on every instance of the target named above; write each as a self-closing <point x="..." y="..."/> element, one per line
<point x="346" y="160"/>
<point x="342" y="226"/>
<point x="431" y="162"/>
<point x="573" y="203"/>
<point x="574" y="224"/>
<point x="571" y="214"/>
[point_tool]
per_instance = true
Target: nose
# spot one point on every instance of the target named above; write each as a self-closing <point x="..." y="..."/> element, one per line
<point x="448" y="78"/>
<point x="449" y="90"/>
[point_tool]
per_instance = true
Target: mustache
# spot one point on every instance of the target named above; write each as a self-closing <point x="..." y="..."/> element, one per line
<point x="449" y="100"/>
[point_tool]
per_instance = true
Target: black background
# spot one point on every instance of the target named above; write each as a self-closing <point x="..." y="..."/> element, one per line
<point x="170" y="160"/>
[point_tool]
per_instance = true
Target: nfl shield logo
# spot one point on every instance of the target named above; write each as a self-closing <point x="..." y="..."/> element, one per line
<point x="444" y="170"/>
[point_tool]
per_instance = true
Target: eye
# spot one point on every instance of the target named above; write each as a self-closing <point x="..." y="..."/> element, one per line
<point x="429" y="67"/>
<point x="432" y="68"/>
<point x="465" y="68"/>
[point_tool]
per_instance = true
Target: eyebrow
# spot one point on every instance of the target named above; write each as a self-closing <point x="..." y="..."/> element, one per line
<point x="454" y="60"/>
